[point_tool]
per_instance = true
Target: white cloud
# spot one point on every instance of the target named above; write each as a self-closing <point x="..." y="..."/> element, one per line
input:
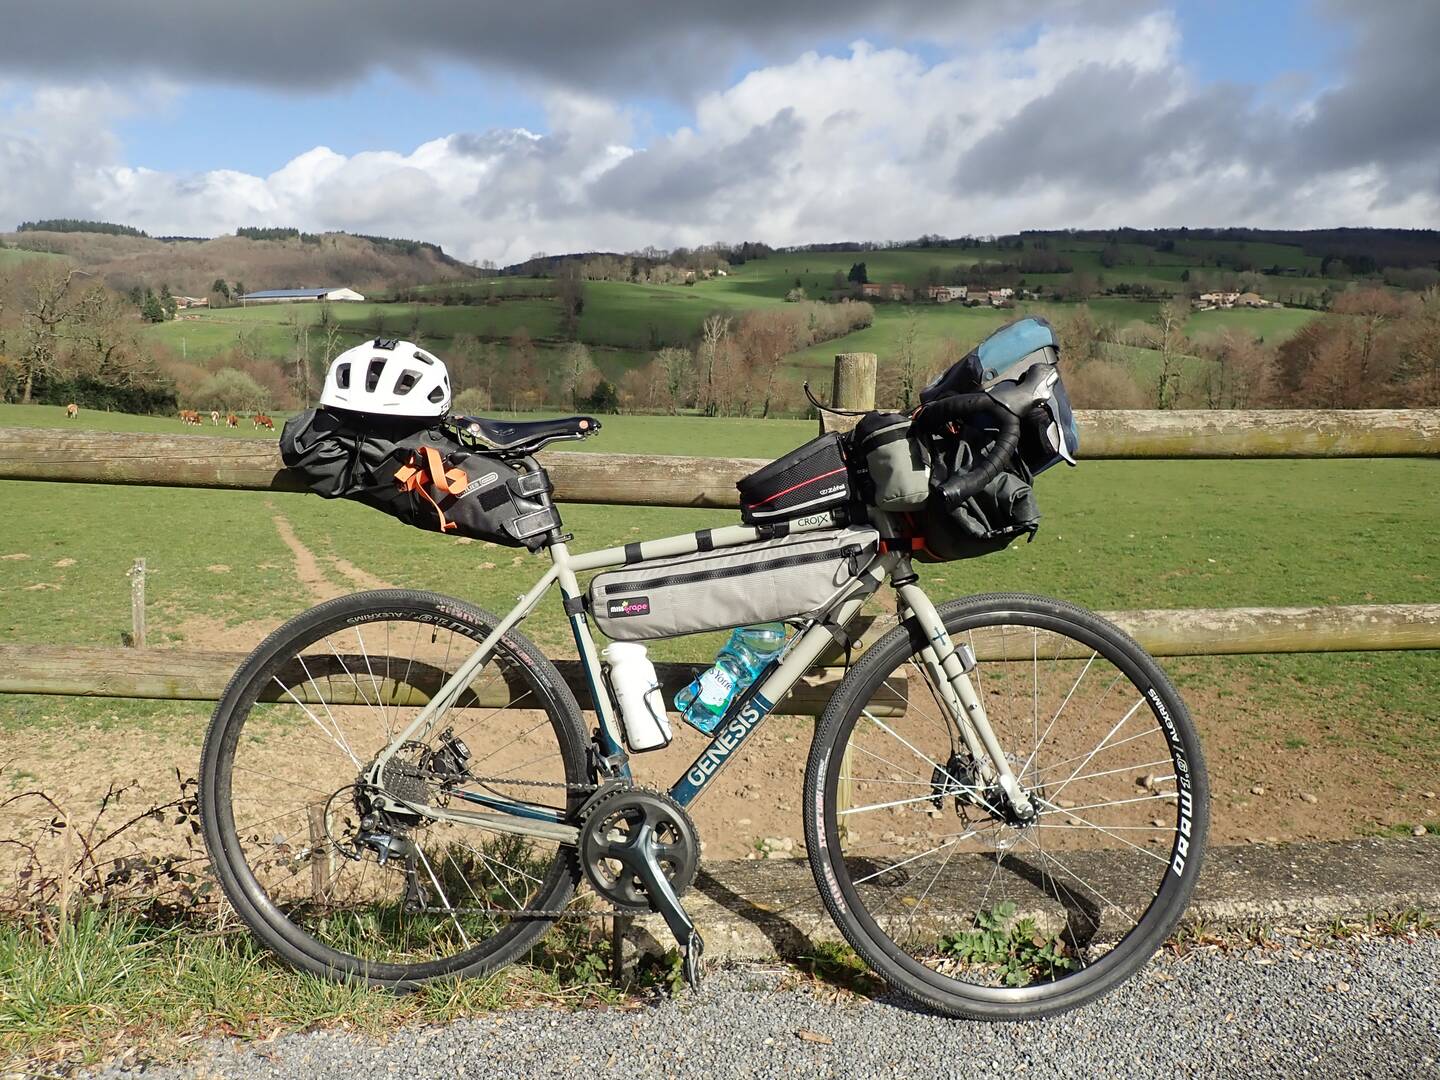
<point x="1092" y="126"/>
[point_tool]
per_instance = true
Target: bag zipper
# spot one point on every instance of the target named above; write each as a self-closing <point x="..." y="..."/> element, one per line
<point x="850" y="551"/>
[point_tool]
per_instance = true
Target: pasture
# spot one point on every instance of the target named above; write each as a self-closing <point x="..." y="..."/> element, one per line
<point x="625" y="322"/>
<point x="1357" y="730"/>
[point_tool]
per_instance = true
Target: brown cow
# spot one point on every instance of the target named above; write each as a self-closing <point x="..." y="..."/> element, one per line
<point x="190" y="417"/>
<point x="261" y="420"/>
<point x="72" y="411"/>
<point x="231" y="420"/>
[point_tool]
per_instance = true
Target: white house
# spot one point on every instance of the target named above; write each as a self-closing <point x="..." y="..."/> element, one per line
<point x="300" y="296"/>
<point x="943" y="294"/>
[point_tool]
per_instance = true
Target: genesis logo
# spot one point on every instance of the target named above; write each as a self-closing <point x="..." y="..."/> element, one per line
<point x="727" y="739"/>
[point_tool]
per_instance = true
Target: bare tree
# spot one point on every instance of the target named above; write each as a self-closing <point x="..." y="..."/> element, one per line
<point x="714" y="334"/>
<point x="579" y="375"/>
<point x="672" y="368"/>
<point x="570" y="285"/>
<point x="49" y="307"/>
<point x="1167" y="337"/>
<point x="1240" y="374"/>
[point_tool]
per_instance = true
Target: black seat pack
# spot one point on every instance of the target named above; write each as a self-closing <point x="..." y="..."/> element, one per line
<point x="424" y="475"/>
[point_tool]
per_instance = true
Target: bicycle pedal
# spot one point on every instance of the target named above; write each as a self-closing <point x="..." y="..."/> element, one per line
<point x="694" y="950"/>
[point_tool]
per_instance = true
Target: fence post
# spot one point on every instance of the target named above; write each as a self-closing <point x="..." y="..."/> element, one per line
<point x="853" y="388"/>
<point x="136" y="575"/>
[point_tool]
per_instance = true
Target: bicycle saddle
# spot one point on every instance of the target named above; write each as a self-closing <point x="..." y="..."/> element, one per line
<point x="519" y="437"/>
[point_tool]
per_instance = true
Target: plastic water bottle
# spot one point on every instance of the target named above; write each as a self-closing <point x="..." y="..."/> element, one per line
<point x="637" y="688"/>
<point x="704" y="701"/>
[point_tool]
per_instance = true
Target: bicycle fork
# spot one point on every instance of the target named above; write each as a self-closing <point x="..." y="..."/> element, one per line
<point x="949" y="668"/>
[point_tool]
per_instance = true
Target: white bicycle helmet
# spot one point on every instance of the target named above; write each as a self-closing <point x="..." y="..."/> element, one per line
<point x="386" y="377"/>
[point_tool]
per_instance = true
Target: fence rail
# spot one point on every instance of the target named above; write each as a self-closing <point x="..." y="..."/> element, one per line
<point x="653" y="480"/>
<point x="199" y="461"/>
<point x="182" y="675"/>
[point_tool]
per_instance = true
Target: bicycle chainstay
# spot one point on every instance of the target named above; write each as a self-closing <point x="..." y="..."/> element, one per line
<point x="604" y="911"/>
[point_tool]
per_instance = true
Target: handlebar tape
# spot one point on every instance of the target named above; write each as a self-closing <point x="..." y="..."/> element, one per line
<point x="932" y="419"/>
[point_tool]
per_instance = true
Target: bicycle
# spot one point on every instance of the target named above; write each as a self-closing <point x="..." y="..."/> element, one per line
<point x="1004" y="801"/>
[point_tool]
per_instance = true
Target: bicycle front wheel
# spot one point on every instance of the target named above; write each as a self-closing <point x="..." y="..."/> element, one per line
<point x="952" y="897"/>
<point x="343" y="889"/>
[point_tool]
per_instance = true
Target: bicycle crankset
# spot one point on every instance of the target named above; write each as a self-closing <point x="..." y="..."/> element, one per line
<point x="640" y="851"/>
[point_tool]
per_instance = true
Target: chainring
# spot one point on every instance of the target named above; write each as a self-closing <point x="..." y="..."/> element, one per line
<point x="615" y="823"/>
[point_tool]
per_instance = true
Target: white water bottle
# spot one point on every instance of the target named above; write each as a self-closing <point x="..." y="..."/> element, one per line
<point x="637" y="688"/>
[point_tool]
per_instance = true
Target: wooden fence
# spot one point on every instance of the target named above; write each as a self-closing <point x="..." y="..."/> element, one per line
<point x="200" y="461"/>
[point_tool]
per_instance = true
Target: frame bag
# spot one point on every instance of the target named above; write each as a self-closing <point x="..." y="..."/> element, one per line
<point x="425" y="476"/>
<point x="762" y="582"/>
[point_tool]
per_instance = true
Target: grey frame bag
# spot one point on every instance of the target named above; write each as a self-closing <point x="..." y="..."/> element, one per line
<point x="897" y="464"/>
<point x="767" y="581"/>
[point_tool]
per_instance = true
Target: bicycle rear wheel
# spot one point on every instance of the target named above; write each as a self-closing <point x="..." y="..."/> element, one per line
<point x="957" y="902"/>
<point x="322" y="878"/>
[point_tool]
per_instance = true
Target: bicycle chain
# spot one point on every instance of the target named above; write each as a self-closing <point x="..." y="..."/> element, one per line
<point x="545" y="913"/>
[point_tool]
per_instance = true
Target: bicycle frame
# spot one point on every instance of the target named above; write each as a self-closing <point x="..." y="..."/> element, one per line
<point x="947" y="667"/>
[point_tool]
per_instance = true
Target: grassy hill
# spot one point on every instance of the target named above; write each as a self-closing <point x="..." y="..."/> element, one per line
<point x="625" y="322"/>
<point x="190" y="266"/>
<point x="417" y="291"/>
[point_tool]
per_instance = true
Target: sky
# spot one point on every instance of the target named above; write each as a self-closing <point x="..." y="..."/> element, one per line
<point x="499" y="129"/>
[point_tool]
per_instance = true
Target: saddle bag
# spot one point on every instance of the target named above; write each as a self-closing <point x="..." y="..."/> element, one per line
<point x="425" y="476"/>
<point x="808" y="480"/>
<point x="767" y="581"/>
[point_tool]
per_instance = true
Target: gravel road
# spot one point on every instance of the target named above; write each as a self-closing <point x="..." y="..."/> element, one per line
<point x="1360" y="1009"/>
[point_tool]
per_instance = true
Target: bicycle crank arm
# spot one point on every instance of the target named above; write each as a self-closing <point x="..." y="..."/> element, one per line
<point x="639" y="859"/>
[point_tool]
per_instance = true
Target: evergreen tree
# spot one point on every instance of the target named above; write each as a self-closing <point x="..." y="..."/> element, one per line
<point x="858" y="274"/>
<point x="151" y="309"/>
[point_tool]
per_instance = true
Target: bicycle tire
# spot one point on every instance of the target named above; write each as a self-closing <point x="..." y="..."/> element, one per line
<point x="262" y="913"/>
<point x="840" y="887"/>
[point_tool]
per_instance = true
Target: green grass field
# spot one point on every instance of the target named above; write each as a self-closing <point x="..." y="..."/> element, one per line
<point x="1115" y="535"/>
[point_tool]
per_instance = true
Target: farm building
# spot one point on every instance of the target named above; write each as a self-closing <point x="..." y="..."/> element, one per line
<point x="299" y="296"/>
<point x="943" y="294"/>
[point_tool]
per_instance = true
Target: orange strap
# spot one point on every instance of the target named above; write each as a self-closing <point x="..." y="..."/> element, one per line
<point x="418" y="476"/>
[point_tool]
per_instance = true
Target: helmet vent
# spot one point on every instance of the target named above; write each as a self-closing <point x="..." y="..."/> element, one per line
<point x="372" y="375"/>
<point x="406" y="382"/>
<point x="437" y="395"/>
<point x="342" y="376"/>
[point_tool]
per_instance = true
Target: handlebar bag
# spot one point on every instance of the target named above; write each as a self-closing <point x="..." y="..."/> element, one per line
<point x="1048" y="434"/>
<point x="992" y="519"/>
<point x="424" y="476"/>
<point x="767" y="581"/>
<point x="810" y="479"/>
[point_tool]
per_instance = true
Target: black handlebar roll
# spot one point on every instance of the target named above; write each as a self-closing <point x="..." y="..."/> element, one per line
<point x="934" y="416"/>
